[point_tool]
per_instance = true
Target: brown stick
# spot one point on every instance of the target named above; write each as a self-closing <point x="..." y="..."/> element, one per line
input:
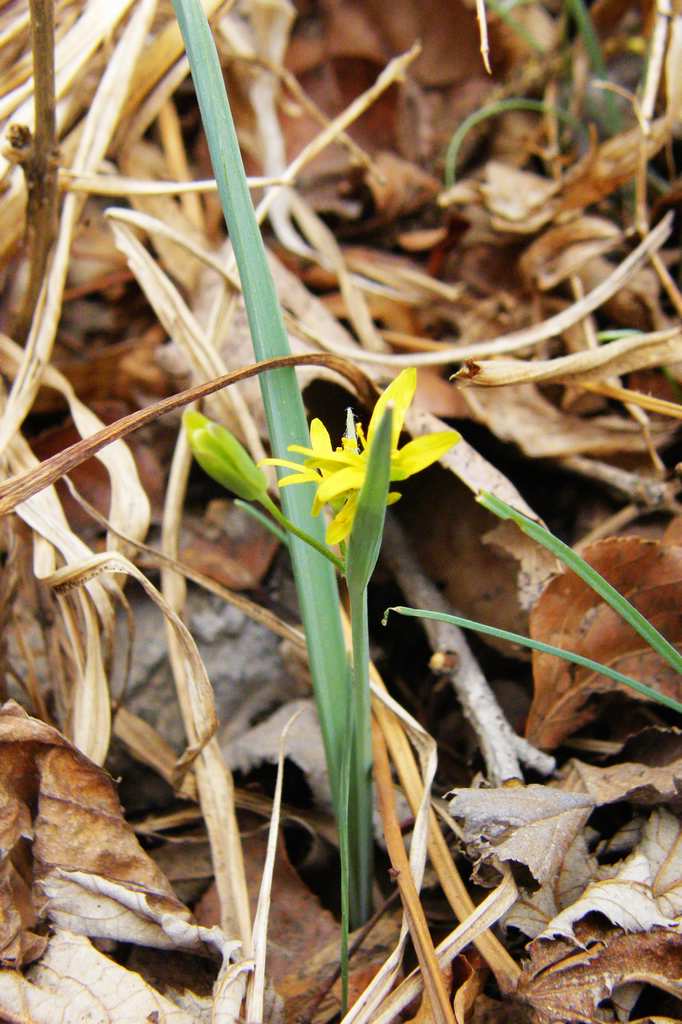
<point x="40" y="164"/>
<point x="434" y="985"/>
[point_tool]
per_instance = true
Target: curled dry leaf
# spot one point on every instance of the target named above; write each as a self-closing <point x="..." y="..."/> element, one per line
<point x="518" y="201"/>
<point x="74" y="983"/>
<point x="570" y="615"/>
<point x="532" y="825"/>
<point x="609" y="165"/>
<point x="646" y="891"/>
<point x="563" y="986"/>
<point x="645" y="781"/>
<point x="564" y="248"/>
<point x="88" y="868"/>
<point x="595" y="364"/>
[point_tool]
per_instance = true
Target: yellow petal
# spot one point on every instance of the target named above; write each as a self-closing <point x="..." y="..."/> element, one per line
<point x="422" y="452"/>
<point x="285" y="464"/>
<point x="342" y="523"/>
<point x="400" y="392"/>
<point x="349" y="479"/>
<point x="300" y="449"/>
<point x="319" y="438"/>
<point x="335" y="461"/>
<point x="297" y="478"/>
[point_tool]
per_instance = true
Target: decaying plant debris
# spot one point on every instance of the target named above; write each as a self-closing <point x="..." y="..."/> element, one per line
<point x="545" y="279"/>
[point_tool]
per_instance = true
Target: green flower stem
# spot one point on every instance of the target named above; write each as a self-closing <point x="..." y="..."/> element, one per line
<point x="581" y="568"/>
<point x="537" y="645"/>
<point x="360" y="785"/>
<point x="260" y="517"/>
<point x="287" y="524"/>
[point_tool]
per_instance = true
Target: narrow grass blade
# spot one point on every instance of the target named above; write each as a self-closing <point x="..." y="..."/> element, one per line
<point x="491" y="111"/>
<point x="315" y="580"/>
<point x="537" y="645"/>
<point x="620" y="604"/>
<point x="585" y="26"/>
<point x="364" y="544"/>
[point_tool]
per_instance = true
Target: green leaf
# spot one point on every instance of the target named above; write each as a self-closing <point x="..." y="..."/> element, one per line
<point x="492" y="110"/>
<point x="581" y="568"/>
<point x="537" y="645"/>
<point x="315" y="579"/>
<point x="364" y="545"/>
<point x="364" y="542"/>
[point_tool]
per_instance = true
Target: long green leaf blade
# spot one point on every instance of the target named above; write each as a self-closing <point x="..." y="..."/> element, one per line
<point x="315" y="580"/>
<point x="364" y="544"/>
<point x="537" y="645"/>
<point x="580" y="567"/>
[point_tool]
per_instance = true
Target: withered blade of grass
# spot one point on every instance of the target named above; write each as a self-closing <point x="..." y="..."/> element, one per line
<point x="19" y="488"/>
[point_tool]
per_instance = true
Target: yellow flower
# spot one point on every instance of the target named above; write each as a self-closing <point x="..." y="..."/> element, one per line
<point x="338" y="473"/>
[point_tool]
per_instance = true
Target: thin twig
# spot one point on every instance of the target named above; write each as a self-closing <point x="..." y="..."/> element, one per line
<point x="40" y="163"/>
<point x="645" y="491"/>
<point x="501" y="748"/>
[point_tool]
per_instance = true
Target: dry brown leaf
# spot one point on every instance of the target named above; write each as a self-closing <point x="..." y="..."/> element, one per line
<point x="563" y="248"/>
<point x="536" y="564"/>
<point x="533" y="911"/>
<point x="88" y="867"/>
<point x="609" y="165"/>
<point x="399" y="187"/>
<point x="313" y="975"/>
<point x="541" y="430"/>
<point x="570" y="615"/>
<point x="645" y="893"/>
<point x="251" y="747"/>
<point x="74" y="982"/>
<point x="448" y="34"/>
<point x="532" y="825"/>
<point x="298" y="929"/>
<point x="518" y="201"/>
<point x="470" y="976"/>
<point x="478" y="580"/>
<point x="640" y="782"/>
<point x="640" y="893"/>
<point x="563" y="986"/>
<point x="228" y="545"/>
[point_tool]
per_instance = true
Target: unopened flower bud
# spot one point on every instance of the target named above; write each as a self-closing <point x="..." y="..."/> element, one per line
<point x="221" y="455"/>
